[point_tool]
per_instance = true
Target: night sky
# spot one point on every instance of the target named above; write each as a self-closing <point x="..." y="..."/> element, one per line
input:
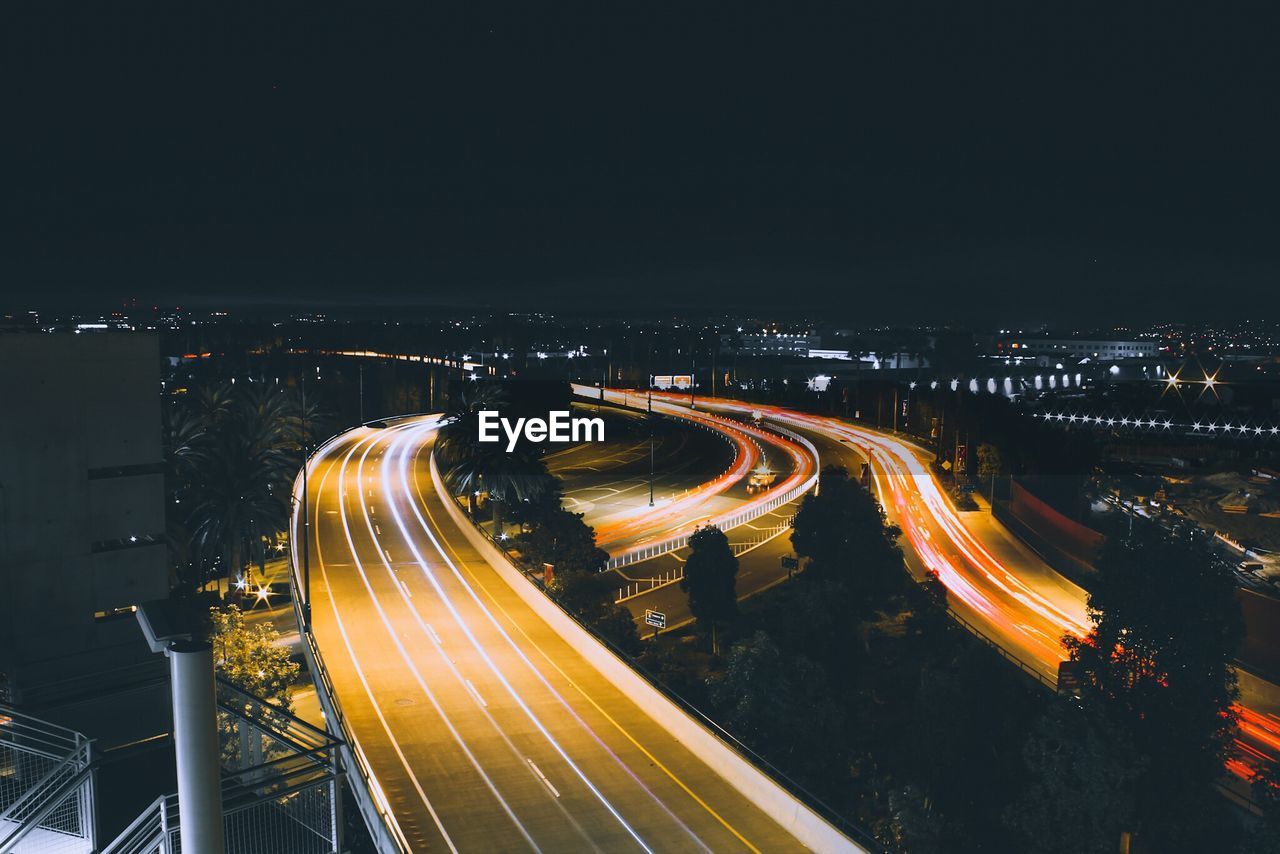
<point x="875" y="160"/>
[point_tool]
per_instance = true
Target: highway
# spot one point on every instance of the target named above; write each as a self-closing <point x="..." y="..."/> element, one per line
<point x="483" y="728"/>
<point x="721" y="501"/>
<point x="995" y="583"/>
<point x="608" y="481"/>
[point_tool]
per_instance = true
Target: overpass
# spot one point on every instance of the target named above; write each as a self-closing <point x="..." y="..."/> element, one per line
<point x="478" y="716"/>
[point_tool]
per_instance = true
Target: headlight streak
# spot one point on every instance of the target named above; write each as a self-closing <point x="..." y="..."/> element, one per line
<point x="402" y="474"/>
<point x="404" y="654"/>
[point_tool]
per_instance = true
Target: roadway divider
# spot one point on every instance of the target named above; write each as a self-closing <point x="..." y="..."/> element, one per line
<point x="810" y="828"/>
<point x="724" y="523"/>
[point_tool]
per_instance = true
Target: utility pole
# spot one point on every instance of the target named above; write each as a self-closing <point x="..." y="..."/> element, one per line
<point x="361" y="368"/>
<point x="306" y="515"/>
<point x="650" y="447"/>
<point x="693" y="379"/>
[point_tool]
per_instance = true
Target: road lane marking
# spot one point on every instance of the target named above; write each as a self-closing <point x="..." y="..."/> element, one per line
<point x="542" y="777"/>
<point x="378" y="793"/>
<point x="414" y="505"/>
<point x="458" y="676"/>
<point x="484" y="655"/>
<point x="476" y="694"/>
<point x="346" y="527"/>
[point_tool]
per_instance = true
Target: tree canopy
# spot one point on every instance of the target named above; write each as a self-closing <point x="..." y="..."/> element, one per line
<point x="1166" y="627"/>
<point x="710" y="579"/>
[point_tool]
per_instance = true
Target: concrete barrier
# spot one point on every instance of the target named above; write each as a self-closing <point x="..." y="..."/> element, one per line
<point x="811" y="829"/>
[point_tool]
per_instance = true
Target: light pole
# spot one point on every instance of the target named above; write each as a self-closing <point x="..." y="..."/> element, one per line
<point x="650" y="447"/>
<point x="306" y="516"/>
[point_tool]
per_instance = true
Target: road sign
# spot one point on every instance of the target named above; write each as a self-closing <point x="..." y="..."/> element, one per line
<point x="789" y="562"/>
<point x="657" y="619"/>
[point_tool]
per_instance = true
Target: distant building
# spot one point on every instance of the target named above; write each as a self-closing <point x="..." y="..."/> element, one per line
<point x="82" y="515"/>
<point x="770" y="344"/>
<point x="1078" y="348"/>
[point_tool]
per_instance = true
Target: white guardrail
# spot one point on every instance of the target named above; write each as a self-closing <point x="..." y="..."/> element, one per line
<point x="724" y="523"/>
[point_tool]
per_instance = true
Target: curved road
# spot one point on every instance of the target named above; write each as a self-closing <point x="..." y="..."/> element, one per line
<point x="483" y="728"/>
<point x="994" y="581"/>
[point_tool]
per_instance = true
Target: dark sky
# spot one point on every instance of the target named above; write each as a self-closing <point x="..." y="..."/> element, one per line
<point x="882" y="160"/>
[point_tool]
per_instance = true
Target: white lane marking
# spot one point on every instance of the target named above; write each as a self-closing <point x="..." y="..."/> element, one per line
<point x="404" y="654"/>
<point x="476" y="694"/>
<point x="387" y="552"/>
<point x="541" y="776"/>
<point x="417" y="507"/>
<point x="435" y="637"/>
<point x="402" y="472"/>
<point x="453" y="669"/>
<point x="376" y="528"/>
<point x="378" y="793"/>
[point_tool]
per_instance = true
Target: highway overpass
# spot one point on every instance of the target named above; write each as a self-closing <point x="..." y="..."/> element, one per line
<point x="477" y="715"/>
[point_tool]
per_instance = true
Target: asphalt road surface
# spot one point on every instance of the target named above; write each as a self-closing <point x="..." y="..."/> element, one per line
<point x="484" y="730"/>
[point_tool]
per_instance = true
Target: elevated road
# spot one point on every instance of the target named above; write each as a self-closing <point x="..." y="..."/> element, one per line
<point x="996" y="584"/>
<point x="480" y="725"/>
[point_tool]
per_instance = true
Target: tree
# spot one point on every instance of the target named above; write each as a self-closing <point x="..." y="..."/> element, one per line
<point x="233" y="452"/>
<point x="990" y="464"/>
<point x="843" y="533"/>
<point x="710" y="579"/>
<point x="1080" y="795"/>
<point x="781" y="706"/>
<point x="469" y="466"/>
<point x="1166" y="626"/>
<point x="461" y="456"/>
<point x="588" y="596"/>
<point x="251" y="656"/>
<point x="560" y="537"/>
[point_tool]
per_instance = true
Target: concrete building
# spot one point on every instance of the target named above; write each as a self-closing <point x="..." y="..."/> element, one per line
<point x="81" y="518"/>
<point x="1078" y="348"/>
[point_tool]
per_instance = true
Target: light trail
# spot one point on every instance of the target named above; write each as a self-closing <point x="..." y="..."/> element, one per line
<point x="414" y="609"/>
<point x="1023" y="602"/>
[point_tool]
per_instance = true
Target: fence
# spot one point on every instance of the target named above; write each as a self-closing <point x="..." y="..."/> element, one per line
<point x="725" y="523"/>
<point x="46" y="786"/>
<point x="640" y="586"/>
<point x="279" y="786"/>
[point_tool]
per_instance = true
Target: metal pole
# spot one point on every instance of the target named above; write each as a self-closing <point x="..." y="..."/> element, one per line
<point x="361" y="369"/>
<point x="195" y="741"/>
<point x="650" y="447"/>
<point x="306" y="516"/>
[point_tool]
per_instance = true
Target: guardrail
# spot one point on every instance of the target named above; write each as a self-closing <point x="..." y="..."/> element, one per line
<point x="725" y="523"/>
<point x="47" y="788"/>
<point x="641" y="586"/>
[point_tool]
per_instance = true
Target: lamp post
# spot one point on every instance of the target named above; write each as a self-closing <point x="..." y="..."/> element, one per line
<point x="650" y="447"/>
<point x="306" y="516"/>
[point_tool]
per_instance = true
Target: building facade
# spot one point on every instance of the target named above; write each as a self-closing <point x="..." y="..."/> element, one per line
<point x="1079" y="348"/>
<point x="81" y="514"/>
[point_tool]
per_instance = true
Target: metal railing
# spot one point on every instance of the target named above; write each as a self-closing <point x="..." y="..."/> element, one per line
<point x="46" y="786"/>
<point x="641" y="586"/>
<point x="279" y="786"/>
<point x="726" y="523"/>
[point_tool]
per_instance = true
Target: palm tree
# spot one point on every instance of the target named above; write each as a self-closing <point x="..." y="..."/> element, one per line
<point x="462" y="458"/>
<point x="234" y="471"/>
<point x="469" y="467"/>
